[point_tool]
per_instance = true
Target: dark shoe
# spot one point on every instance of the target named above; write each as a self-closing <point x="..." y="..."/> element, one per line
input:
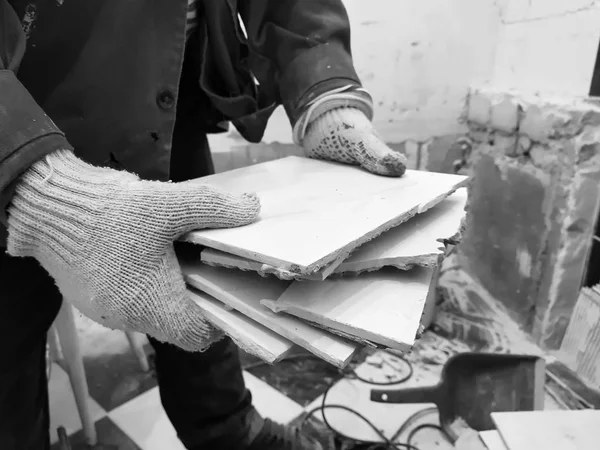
<point x="274" y="436"/>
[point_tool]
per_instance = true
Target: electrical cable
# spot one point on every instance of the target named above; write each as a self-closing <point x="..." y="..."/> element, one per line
<point x="386" y="443"/>
<point x="350" y="374"/>
<point x="363" y="418"/>
<point x="418" y="428"/>
<point x="411" y="421"/>
<point x="324" y="406"/>
<point x="407" y="377"/>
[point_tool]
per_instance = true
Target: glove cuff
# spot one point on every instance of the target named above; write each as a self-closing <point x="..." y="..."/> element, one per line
<point x="346" y="97"/>
<point x="53" y="200"/>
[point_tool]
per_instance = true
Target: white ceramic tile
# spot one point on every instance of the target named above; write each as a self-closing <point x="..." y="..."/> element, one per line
<point x="271" y="403"/>
<point x="146" y="423"/>
<point x="63" y="410"/>
<point x="492" y="440"/>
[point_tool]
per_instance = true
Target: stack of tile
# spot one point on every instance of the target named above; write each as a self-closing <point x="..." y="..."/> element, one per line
<point x="338" y="259"/>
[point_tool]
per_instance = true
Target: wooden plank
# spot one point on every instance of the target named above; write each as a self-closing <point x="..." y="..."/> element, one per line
<point x="564" y="430"/>
<point x="316" y="212"/>
<point x="250" y="336"/>
<point x="580" y="349"/>
<point x="243" y="291"/>
<point x="492" y="440"/>
<point x="413" y="242"/>
<point x="384" y="307"/>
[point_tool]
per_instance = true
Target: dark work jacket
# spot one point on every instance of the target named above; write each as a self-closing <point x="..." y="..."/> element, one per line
<point x="108" y="78"/>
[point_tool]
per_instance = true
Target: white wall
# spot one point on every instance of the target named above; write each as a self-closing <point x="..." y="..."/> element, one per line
<point x="419" y="57"/>
<point x="548" y="46"/>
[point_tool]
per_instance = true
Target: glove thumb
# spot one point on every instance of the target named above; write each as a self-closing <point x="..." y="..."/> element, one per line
<point x="192" y="206"/>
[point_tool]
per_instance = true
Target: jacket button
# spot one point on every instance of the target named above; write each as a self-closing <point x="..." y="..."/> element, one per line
<point x="165" y="99"/>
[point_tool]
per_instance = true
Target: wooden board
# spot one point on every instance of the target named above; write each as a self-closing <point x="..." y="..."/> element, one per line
<point x="384" y="307"/>
<point x="243" y="291"/>
<point x="315" y="212"/>
<point x="250" y="336"/>
<point x="413" y="242"/>
<point x="564" y="430"/>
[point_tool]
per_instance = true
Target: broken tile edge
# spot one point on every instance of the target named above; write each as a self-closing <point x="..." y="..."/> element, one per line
<point x="336" y="257"/>
<point x="209" y="289"/>
<point x="403" y="263"/>
<point x="377" y="340"/>
<point x="268" y="357"/>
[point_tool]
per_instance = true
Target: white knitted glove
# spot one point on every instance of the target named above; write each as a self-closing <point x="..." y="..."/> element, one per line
<point x="346" y="135"/>
<point x="106" y="237"/>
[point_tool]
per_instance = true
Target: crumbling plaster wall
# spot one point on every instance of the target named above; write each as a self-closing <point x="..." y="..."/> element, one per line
<point x="535" y="192"/>
<point x="533" y="202"/>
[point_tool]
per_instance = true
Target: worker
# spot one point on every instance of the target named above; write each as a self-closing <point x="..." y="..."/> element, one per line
<point x="105" y="107"/>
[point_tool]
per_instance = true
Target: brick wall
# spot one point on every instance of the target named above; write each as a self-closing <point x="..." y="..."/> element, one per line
<point x="438" y="154"/>
<point x="533" y="205"/>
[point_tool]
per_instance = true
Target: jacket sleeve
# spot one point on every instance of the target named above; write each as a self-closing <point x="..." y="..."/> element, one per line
<point x="26" y="132"/>
<point x="307" y="41"/>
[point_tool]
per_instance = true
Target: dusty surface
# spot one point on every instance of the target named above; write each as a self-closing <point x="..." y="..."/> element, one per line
<point x="533" y="205"/>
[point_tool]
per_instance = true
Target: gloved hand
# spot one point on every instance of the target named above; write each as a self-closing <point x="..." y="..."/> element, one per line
<point x="346" y="135"/>
<point x="106" y="237"/>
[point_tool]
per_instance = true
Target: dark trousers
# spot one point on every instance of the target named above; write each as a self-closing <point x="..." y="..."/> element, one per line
<point x="203" y="394"/>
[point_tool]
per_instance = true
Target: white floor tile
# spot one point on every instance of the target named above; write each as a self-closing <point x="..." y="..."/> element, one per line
<point x="63" y="410"/>
<point x="492" y="440"/>
<point x="145" y="422"/>
<point x="271" y="403"/>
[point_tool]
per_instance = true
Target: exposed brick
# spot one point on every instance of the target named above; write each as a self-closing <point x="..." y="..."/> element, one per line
<point x="543" y="122"/>
<point x="506" y="143"/>
<point x="589" y="135"/>
<point x="524" y="144"/>
<point x="480" y="136"/>
<point x="521" y="243"/>
<point x="440" y="153"/>
<point x="505" y="115"/>
<point x="541" y="156"/>
<point x="592" y="116"/>
<point x="479" y="108"/>
<point x="587" y="146"/>
<point x="541" y="118"/>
